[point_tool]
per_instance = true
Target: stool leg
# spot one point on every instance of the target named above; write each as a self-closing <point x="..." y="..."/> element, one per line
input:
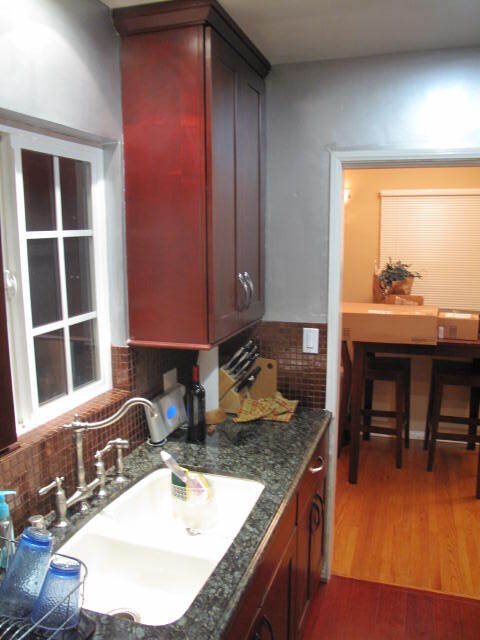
<point x="436" y="406"/>
<point x="429" y="413"/>
<point x="400" y="416"/>
<point x="368" y="402"/>
<point x="342" y="417"/>
<point x="478" y="475"/>
<point x="474" y="407"/>
<point x="407" y="413"/>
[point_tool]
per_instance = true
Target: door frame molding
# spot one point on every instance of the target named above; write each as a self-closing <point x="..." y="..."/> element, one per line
<point x="351" y="159"/>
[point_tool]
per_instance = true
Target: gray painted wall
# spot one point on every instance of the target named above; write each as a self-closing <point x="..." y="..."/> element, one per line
<point x="60" y="72"/>
<point x="427" y="100"/>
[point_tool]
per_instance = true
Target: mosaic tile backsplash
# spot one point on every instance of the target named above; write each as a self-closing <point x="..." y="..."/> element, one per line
<point x="48" y="451"/>
<point x="301" y="376"/>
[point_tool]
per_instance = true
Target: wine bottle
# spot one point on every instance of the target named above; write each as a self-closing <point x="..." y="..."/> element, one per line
<point x="197" y="426"/>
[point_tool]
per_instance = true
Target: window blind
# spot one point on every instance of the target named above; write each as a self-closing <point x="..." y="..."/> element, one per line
<point x="437" y="232"/>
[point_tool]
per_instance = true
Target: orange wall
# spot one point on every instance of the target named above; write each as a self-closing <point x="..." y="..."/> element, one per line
<point x="361" y="249"/>
<point x="362" y="215"/>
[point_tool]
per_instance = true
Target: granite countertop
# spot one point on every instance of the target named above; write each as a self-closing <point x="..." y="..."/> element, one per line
<point x="274" y="453"/>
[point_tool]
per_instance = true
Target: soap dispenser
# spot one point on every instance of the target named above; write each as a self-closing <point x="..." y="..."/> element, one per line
<point x="7" y="535"/>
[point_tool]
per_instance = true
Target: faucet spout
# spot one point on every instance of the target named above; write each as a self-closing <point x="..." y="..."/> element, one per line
<point x="79" y="427"/>
<point x="78" y="424"/>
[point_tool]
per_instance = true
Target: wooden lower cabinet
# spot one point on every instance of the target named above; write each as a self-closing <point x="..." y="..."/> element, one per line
<point x="276" y="618"/>
<point x="310" y="553"/>
<point x="277" y="602"/>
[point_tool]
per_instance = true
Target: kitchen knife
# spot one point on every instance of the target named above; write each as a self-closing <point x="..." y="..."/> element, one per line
<point x="238" y="354"/>
<point x="239" y="364"/>
<point x="239" y="372"/>
<point x="249" y="380"/>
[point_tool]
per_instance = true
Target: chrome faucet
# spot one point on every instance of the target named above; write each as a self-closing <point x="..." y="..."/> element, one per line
<point x="84" y="490"/>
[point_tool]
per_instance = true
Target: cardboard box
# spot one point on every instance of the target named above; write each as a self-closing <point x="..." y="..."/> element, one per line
<point x="457" y="325"/>
<point x="393" y="324"/>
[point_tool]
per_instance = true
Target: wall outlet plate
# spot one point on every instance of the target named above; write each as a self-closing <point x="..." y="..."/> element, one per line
<point x="310" y="340"/>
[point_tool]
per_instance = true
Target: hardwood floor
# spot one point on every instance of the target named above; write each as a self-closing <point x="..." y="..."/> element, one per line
<point x="360" y="610"/>
<point x="408" y="527"/>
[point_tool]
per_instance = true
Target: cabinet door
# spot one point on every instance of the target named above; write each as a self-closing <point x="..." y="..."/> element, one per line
<point x="223" y="67"/>
<point x="164" y="129"/>
<point x="310" y="551"/>
<point x="250" y="210"/>
<point x="276" y="618"/>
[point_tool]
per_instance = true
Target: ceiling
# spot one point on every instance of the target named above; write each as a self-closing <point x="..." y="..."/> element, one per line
<point x="304" y="30"/>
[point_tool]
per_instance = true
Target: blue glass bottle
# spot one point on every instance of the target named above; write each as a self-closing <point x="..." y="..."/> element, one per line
<point x="58" y="603"/>
<point x="23" y="581"/>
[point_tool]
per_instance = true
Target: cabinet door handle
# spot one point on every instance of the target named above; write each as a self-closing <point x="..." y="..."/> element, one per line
<point x="266" y="623"/>
<point x="246" y="291"/>
<point x="248" y="277"/>
<point x="321" y="465"/>
<point x="322" y="514"/>
<point x="314" y="523"/>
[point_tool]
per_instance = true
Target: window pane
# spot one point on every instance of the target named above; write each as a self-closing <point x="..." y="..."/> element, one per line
<point x="50" y="364"/>
<point x="83" y="345"/>
<point x="39" y="191"/>
<point x="75" y="183"/>
<point x="44" y="281"/>
<point x="78" y="270"/>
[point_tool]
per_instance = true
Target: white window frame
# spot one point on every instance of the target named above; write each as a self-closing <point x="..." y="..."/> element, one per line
<point x="28" y="412"/>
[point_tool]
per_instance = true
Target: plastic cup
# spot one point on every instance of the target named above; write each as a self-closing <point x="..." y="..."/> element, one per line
<point x="58" y="603"/>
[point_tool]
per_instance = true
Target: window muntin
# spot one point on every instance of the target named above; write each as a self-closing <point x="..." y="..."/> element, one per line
<point x="58" y="257"/>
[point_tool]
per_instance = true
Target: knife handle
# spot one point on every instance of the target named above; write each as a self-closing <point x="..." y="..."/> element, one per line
<point x="249" y="380"/>
<point x="238" y="355"/>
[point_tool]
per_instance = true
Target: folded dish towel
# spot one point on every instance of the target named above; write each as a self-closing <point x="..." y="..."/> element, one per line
<point x="276" y="408"/>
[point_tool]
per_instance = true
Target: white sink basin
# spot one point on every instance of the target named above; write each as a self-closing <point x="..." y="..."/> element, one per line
<point x="141" y="558"/>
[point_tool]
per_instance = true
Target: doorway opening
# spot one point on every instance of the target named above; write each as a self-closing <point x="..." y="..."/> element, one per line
<point x="404" y="527"/>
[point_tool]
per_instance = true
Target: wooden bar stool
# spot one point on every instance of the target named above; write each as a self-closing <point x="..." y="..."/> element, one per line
<point x="396" y="370"/>
<point x="446" y="373"/>
<point x="345" y="389"/>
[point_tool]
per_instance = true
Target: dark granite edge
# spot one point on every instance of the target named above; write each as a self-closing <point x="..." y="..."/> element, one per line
<point x="237" y="597"/>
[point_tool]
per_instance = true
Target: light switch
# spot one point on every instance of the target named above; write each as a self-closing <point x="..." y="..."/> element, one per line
<point x="310" y="340"/>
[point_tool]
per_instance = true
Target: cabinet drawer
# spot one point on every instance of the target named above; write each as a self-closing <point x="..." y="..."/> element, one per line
<point x="313" y="479"/>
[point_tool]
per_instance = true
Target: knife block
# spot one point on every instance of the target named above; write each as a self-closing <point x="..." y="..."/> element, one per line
<point x="264" y="386"/>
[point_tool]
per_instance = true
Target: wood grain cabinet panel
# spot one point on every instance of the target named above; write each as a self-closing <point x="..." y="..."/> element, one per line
<point x="194" y="136"/>
<point x="249" y="190"/>
<point x="310" y="537"/>
<point x="276" y="617"/>
<point x="223" y="79"/>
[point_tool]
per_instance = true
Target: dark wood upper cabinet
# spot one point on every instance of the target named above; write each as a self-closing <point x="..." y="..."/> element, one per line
<point x="193" y="109"/>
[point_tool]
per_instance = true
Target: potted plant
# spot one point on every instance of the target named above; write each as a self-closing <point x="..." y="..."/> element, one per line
<point x="394" y="278"/>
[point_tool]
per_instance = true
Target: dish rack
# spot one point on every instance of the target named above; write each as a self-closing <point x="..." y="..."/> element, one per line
<point x="21" y="629"/>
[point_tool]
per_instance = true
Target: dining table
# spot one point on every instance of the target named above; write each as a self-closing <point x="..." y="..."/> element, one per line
<point x="444" y="348"/>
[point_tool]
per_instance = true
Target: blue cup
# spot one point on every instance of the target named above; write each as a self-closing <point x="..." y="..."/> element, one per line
<point x="23" y="581"/>
<point x="58" y="603"/>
